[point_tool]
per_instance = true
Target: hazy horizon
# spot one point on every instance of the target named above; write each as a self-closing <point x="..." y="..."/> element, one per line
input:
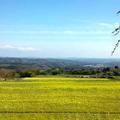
<point x="58" y="29"/>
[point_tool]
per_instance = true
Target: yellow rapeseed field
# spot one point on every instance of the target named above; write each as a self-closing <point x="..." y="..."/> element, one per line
<point x="59" y="98"/>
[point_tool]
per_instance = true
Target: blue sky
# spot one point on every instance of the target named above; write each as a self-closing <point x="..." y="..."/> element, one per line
<point x="58" y="28"/>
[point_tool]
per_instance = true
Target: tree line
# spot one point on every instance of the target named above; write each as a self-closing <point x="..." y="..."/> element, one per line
<point x="6" y="74"/>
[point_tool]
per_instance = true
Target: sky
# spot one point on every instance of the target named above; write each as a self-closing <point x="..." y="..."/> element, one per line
<point x="58" y="28"/>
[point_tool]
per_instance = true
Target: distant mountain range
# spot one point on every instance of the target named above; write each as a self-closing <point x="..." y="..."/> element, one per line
<point x="48" y="63"/>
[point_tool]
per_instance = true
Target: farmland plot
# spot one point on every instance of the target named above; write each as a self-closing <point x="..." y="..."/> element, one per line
<point x="59" y="98"/>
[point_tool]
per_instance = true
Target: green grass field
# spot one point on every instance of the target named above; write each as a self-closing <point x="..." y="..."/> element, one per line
<point x="60" y="99"/>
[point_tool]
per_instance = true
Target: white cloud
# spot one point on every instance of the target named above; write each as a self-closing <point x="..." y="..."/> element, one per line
<point x="19" y="48"/>
<point x="108" y="25"/>
<point x="86" y="32"/>
<point x="64" y="32"/>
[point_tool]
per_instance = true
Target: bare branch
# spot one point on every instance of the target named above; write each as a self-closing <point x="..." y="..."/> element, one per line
<point x="116" y="45"/>
<point x="118" y="12"/>
<point x="116" y="31"/>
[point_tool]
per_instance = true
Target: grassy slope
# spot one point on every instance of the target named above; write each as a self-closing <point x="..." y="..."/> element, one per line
<point x="60" y="99"/>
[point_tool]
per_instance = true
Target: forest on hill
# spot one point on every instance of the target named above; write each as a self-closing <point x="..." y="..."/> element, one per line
<point x="29" y="67"/>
